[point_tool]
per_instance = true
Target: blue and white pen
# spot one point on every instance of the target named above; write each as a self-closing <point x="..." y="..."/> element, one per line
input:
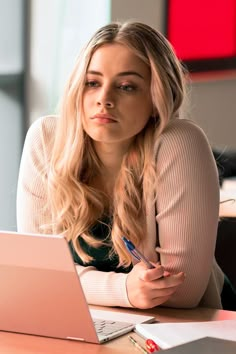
<point x="136" y="253"/>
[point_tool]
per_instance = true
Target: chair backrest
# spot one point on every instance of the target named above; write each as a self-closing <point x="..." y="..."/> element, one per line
<point x="225" y="252"/>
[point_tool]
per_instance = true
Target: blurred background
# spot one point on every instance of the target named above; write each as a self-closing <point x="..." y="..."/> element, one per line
<point x="40" y="40"/>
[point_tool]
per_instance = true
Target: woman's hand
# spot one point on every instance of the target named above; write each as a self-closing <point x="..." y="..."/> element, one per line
<point x="147" y="288"/>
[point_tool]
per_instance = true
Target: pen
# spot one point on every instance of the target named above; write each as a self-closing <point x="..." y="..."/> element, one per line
<point x="137" y="345"/>
<point x="136" y="253"/>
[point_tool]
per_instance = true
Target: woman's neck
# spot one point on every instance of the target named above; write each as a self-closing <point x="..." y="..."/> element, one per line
<point x="111" y="157"/>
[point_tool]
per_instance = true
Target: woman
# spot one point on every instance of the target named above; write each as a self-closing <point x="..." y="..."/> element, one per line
<point x="119" y="161"/>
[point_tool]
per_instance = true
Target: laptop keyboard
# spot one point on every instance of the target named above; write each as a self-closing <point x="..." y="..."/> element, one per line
<point x="107" y="327"/>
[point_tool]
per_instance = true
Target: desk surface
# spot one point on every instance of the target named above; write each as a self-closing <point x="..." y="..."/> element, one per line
<point x="12" y="343"/>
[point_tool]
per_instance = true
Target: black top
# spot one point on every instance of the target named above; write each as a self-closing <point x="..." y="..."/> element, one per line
<point x="102" y="259"/>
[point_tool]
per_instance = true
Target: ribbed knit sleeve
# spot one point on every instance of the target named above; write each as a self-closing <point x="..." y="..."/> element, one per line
<point x="101" y="288"/>
<point x="187" y="208"/>
<point x="31" y="191"/>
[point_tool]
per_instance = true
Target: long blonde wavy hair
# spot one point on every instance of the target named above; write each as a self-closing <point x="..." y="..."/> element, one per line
<point x="76" y="206"/>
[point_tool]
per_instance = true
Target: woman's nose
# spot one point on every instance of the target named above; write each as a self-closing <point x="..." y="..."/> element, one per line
<point x="105" y="99"/>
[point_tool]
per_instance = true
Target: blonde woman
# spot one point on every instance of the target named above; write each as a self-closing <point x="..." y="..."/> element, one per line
<point x="118" y="161"/>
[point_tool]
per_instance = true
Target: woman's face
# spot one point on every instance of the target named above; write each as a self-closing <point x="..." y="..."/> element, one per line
<point x="117" y="100"/>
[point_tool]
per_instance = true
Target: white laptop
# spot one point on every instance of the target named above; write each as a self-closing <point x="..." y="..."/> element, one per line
<point x="41" y="293"/>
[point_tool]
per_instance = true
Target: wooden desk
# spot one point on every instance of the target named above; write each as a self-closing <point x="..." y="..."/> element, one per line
<point x="12" y="343"/>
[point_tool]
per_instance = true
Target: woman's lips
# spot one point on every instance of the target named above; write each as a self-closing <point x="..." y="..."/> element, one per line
<point x="104" y="118"/>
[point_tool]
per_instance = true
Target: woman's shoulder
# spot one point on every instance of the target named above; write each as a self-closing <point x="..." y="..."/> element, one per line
<point x="45" y="125"/>
<point x="182" y="138"/>
<point x="42" y="130"/>
<point x="40" y="137"/>
<point x="182" y="132"/>
<point x="181" y="127"/>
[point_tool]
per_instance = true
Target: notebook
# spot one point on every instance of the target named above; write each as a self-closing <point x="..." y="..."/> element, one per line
<point x="41" y="293"/>
<point x="207" y="345"/>
<point x="168" y="335"/>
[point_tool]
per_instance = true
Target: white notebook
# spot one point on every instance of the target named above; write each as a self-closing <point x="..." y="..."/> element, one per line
<point x="168" y="335"/>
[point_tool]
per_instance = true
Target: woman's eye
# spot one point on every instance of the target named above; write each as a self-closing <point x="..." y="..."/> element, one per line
<point x="126" y="87"/>
<point x="91" y="83"/>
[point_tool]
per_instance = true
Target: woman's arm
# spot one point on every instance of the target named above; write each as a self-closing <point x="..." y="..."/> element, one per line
<point x="31" y="189"/>
<point x="187" y="209"/>
<point x="101" y="288"/>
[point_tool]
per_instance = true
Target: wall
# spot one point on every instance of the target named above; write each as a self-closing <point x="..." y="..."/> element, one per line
<point x="150" y="11"/>
<point x="213" y="102"/>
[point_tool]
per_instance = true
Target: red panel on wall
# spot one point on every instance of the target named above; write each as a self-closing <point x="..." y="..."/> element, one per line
<point x="202" y="29"/>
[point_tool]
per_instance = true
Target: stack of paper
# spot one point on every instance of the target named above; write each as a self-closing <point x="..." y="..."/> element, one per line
<point x="168" y="335"/>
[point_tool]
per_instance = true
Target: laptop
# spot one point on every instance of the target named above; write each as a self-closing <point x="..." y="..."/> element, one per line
<point x="41" y="293"/>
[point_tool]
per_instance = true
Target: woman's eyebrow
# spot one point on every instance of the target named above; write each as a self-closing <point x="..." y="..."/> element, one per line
<point x="123" y="73"/>
<point x="127" y="73"/>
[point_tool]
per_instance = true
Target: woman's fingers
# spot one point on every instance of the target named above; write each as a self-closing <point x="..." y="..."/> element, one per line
<point x="152" y="274"/>
<point x="147" y="288"/>
<point x="168" y="282"/>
